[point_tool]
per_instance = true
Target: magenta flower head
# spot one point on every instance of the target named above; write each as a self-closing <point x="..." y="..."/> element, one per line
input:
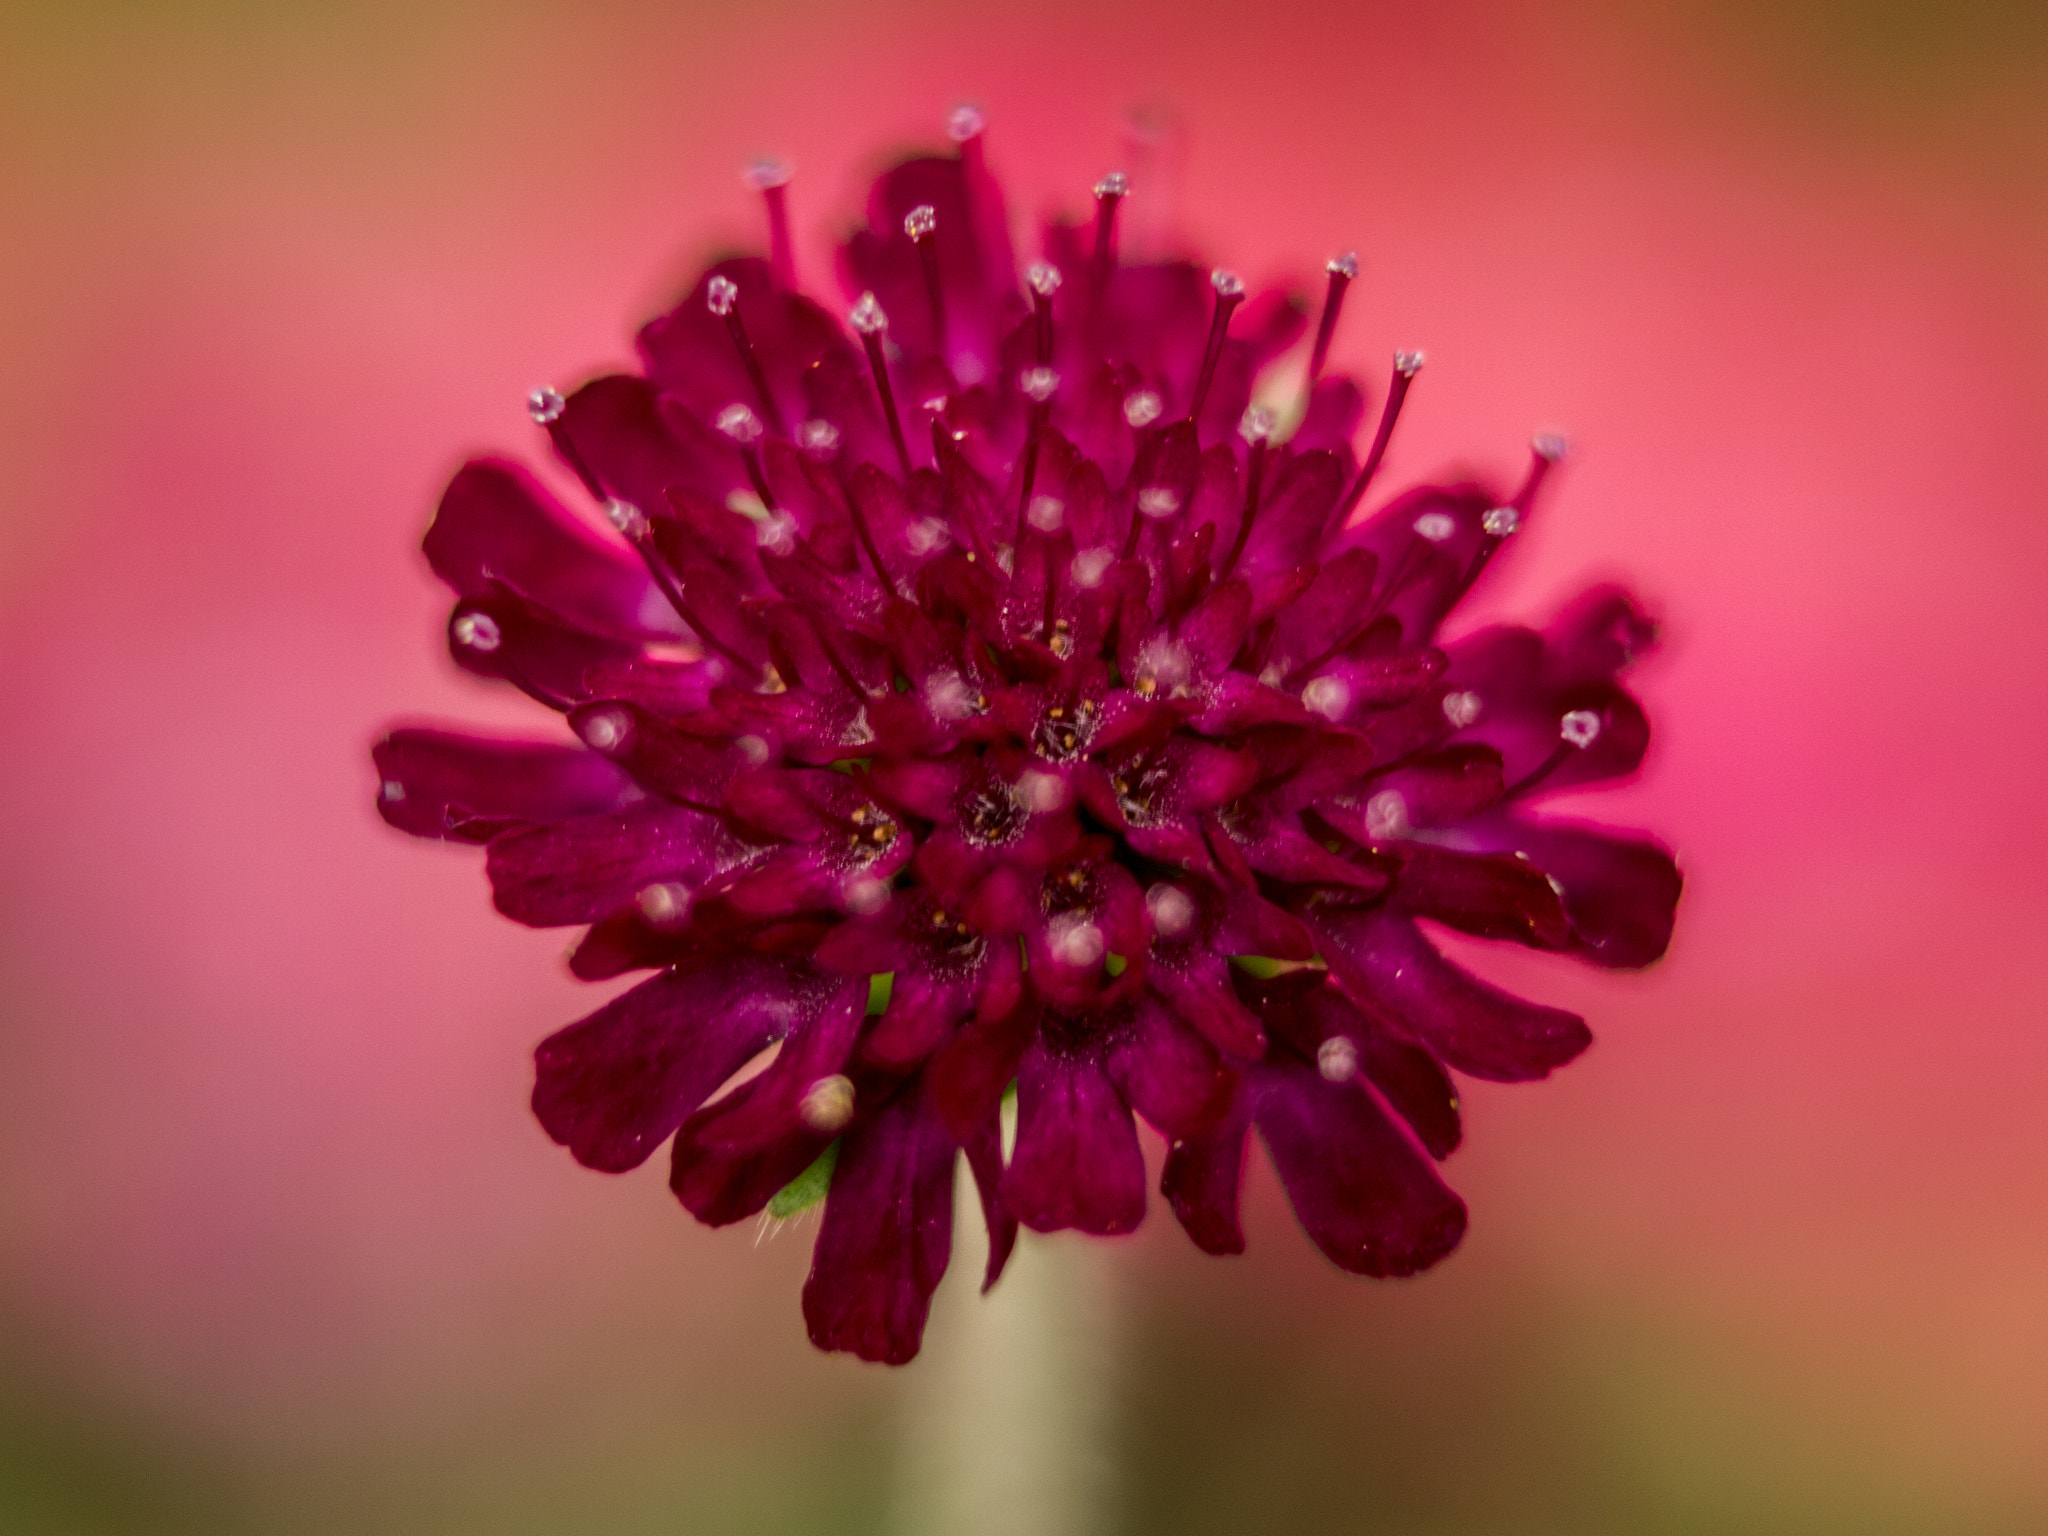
<point x="975" y="693"/>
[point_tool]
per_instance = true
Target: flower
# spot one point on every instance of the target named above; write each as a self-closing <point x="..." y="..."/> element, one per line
<point x="987" y="694"/>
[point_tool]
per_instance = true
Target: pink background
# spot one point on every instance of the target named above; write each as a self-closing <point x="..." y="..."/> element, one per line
<point x="280" y="1248"/>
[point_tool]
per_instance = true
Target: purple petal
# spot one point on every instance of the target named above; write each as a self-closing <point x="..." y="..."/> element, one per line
<point x="1076" y="1162"/>
<point x="1203" y="1179"/>
<point x="1620" y="893"/>
<point x="984" y="1150"/>
<point x="580" y="868"/>
<point x="1168" y="1073"/>
<point x="1359" y="1187"/>
<point x="470" y="788"/>
<point x="1493" y="896"/>
<point x="886" y="1236"/>
<point x="613" y="1086"/>
<point x="1395" y="974"/>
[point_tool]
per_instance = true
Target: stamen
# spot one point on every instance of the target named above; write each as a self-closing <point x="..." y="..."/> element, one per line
<point x="546" y="406"/>
<point x="1342" y="270"/>
<point x="827" y="1105"/>
<point x="820" y="439"/>
<point x="1142" y="408"/>
<point x="1037" y="385"/>
<point x="1406" y="366"/>
<point x="1229" y="294"/>
<point x="743" y="428"/>
<point x="869" y="322"/>
<point x="920" y="224"/>
<point x="1500" y="522"/>
<point x="632" y="522"/>
<point x="770" y="178"/>
<point x="1337" y="1060"/>
<point x="1257" y="429"/>
<point x="722" y="298"/>
<point x="1044" y="279"/>
<point x="1577" y="730"/>
<point x="1109" y="191"/>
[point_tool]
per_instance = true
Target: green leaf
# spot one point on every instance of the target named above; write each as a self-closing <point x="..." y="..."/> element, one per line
<point x="1115" y="965"/>
<point x="807" y="1188"/>
<point x="879" y="990"/>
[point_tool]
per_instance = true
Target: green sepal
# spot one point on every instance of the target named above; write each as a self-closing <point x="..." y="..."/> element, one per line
<point x="879" y="990"/>
<point x="807" y="1188"/>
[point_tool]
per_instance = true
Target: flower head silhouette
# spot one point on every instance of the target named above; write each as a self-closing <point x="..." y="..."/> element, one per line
<point x="986" y="691"/>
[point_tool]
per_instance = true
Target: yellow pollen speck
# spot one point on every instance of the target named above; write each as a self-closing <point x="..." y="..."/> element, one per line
<point x="1056" y="713"/>
<point x="860" y="814"/>
<point x="1148" y="686"/>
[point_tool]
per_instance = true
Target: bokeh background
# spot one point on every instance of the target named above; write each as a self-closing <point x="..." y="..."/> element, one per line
<point x="281" y="1250"/>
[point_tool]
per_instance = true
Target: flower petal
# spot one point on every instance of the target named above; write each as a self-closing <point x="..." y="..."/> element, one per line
<point x="470" y="788"/>
<point x="581" y="868"/>
<point x="1168" y="1073"/>
<point x="1203" y="1178"/>
<point x="1076" y="1162"/>
<point x="1620" y="893"/>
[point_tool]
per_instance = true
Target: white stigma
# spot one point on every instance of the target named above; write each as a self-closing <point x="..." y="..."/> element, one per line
<point x="1345" y="265"/>
<point x="664" y="904"/>
<point x="926" y="535"/>
<point x="963" y="123"/>
<point x="478" y="631"/>
<point x="1329" y="697"/>
<point x="1461" y="708"/>
<point x="1044" y="793"/>
<point x="865" y="895"/>
<point x="1435" y="526"/>
<point x="720" y="294"/>
<point x="827" y="1105"/>
<point x="1408" y="364"/>
<point x="947" y="696"/>
<point x="754" y="749"/>
<point x="867" y="317"/>
<point x="1550" y="446"/>
<point x="1228" y="284"/>
<point x="1499" y="522"/>
<point x="1337" y="1060"/>
<point x="1046" y="513"/>
<point x="1257" y="423"/>
<point x="1172" y="909"/>
<point x="1044" y="278"/>
<point x="545" y="406"/>
<point x="921" y="221"/>
<point x="1386" y="815"/>
<point x="1159" y="501"/>
<point x="1076" y="941"/>
<point x="606" y="730"/>
<point x="776" y="533"/>
<point x="1581" y="728"/>
<point x="1115" y="184"/>
<point x="1089" y="566"/>
<point x="1142" y="409"/>
<point x="739" y="423"/>
<point x="626" y="517"/>
<point x="1038" y="384"/>
<point x="392" y="791"/>
<point x="766" y="173"/>
<point x="819" y="438"/>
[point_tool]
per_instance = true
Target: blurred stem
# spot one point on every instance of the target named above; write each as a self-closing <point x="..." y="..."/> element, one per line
<point x="1009" y="1413"/>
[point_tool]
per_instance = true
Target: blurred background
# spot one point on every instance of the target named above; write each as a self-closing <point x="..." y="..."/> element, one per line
<point x="281" y="1249"/>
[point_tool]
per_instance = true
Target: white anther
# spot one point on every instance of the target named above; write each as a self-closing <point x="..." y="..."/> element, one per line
<point x="1228" y="284"/>
<point x="1581" y="727"/>
<point x="1172" y="909"/>
<point x="766" y="173"/>
<point x="921" y="221"/>
<point x="936" y="404"/>
<point x="1142" y="408"/>
<point x="1436" y="526"/>
<point x="1038" y="384"/>
<point x="1408" y="364"/>
<point x="545" y="406"/>
<point x="1329" y="697"/>
<point x="1337" y="1060"/>
<point x="1115" y="184"/>
<point x="1046" y="513"/>
<point x="720" y="294"/>
<point x="963" y="123"/>
<point x="866" y="895"/>
<point x="1386" y="815"/>
<point x="606" y="730"/>
<point x="664" y="904"/>
<point x="1461" y="708"/>
<point x="626" y="517"/>
<point x="819" y="438"/>
<point x="1076" y="941"/>
<point x="1044" y="278"/>
<point x="1345" y="265"/>
<point x="1089" y="565"/>
<point x="827" y="1105"/>
<point x="1159" y="501"/>
<point x="947" y="696"/>
<point x="754" y="749"/>
<point x="776" y="533"/>
<point x="1550" y="446"/>
<point x="739" y="423"/>
<point x="478" y="631"/>
<point x="1499" y="522"/>
<point x="926" y="535"/>
<point x="867" y="316"/>
<point x="1257" y="423"/>
<point x="392" y="791"/>
<point x="1044" y="793"/>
